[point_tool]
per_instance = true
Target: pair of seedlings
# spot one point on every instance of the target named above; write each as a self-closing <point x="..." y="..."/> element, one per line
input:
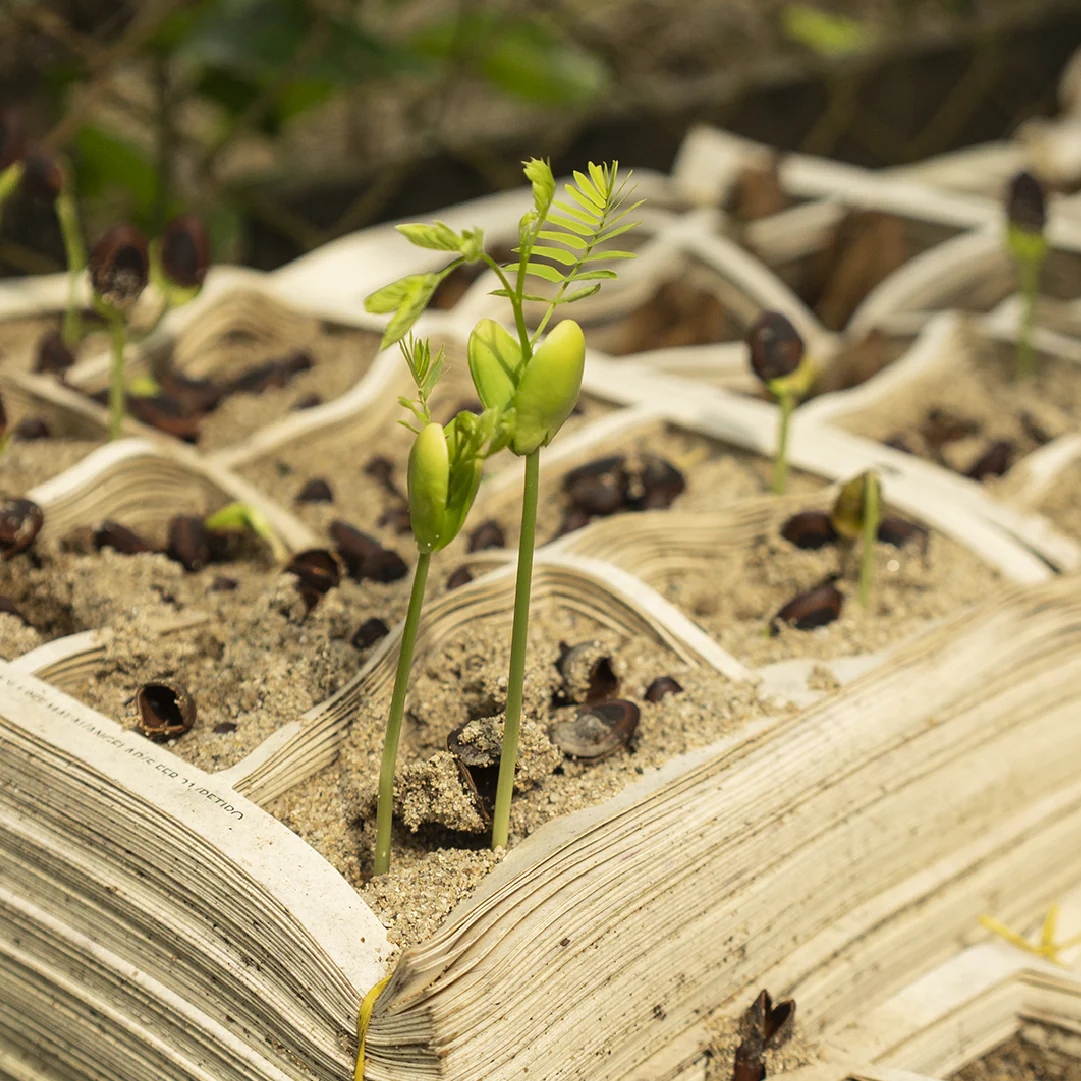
<point x="527" y="387"/>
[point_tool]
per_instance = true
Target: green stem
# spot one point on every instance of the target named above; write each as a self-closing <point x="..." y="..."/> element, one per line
<point x="516" y="306"/>
<point x="9" y="181"/>
<point x="786" y="400"/>
<point x="871" y="518"/>
<point x="518" y="641"/>
<point x="1029" y="273"/>
<point x="385" y="808"/>
<point x="116" y="376"/>
<point x="75" y="250"/>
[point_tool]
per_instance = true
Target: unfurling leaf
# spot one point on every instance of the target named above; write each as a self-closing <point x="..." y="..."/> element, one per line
<point x="495" y="359"/>
<point x="438" y="237"/>
<point x="539" y="174"/>
<point x="411" y="295"/>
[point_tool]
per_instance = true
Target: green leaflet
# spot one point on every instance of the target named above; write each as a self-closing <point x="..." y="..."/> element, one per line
<point x="495" y="359"/>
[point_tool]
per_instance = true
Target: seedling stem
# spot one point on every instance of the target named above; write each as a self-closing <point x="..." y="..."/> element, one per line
<point x="786" y="402"/>
<point x="872" y="516"/>
<point x="385" y="809"/>
<point x="9" y="181"/>
<point x="75" y="251"/>
<point x="118" y="335"/>
<point x="1028" y="269"/>
<point x="518" y="641"/>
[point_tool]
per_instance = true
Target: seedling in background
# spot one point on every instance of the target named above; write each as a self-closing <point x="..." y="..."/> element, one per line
<point x="121" y="265"/>
<point x="777" y="359"/>
<point x="857" y="514"/>
<point x="242" y="516"/>
<point x="1026" y="216"/>
<point x="12" y="149"/>
<point x="533" y="387"/>
<point x="445" y="468"/>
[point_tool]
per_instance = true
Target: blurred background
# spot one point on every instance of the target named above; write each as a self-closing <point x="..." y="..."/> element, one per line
<point x="290" y="122"/>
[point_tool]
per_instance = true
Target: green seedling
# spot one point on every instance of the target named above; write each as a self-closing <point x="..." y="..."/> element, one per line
<point x="857" y="514"/>
<point x="445" y="468"/>
<point x="12" y="150"/>
<point x="241" y="516"/>
<point x="532" y="385"/>
<point x="1026" y="216"/>
<point x="121" y="265"/>
<point x="777" y="359"/>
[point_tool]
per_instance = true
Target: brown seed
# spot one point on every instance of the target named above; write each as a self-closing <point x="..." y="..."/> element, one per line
<point x="364" y="556"/>
<point x="776" y="348"/>
<point x="599" y="488"/>
<point x="121" y="539"/>
<point x="369" y="632"/>
<point x="53" y="355"/>
<point x="478" y="767"/>
<point x="941" y="426"/>
<point x="185" y="251"/>
<point x="1026" y="204"/>
<point x="20" y="523"/>
<point x="316" y="490"/>
<point x="387" y="566"/>
<point x="191" y="395"/>
<point x="166" y="709"/>
<point x="29" y="429"/>
<point x="43" y="176"/>
<point x="12" y="137"/>
<point x="459" y="577"/>
<point x="815" y="608"/>
<point x="901" y="443"/>
<point x="317" y="569"/>
<point x="597" y="731"/>
<point x="662" y="483"/>
<point x="308" y="401"/>
<point x="810" y="530"/>
<point x="120" y="266"/>
<point x="900" y="532"/>
<point x="487" y="535"/>
<point x="575" y="518"/>
<point x="381" y="470"/>
<point x="748" y="1065"/>
<point x="7" y="607"/>
<point x="772" y="1024"/>
<point x="396" y="518"/>
<point x="223" y="584"/>
<point x="166" y="415"/>
<point x="272" y="374"/>
<point x="661" y="686"/>
<point x="189" y="542"/>
<point x="224" y="728"/>
<point x="588" y="676"/>
<point x="994" y="461"/>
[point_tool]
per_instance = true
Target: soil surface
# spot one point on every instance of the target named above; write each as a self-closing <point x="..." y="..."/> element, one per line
<point x="1063" y="503"/>
<point x="465" y="680"/>
<point x="25" y="465"/>
<point x="735" y="596"/>
<point x="956" y="414"/>
<point x="1035" y="1054"/>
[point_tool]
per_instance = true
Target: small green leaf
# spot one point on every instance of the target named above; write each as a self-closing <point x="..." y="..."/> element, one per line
<point x="245" y="516"/>
<point x="549" y="274"/>
<point x="539" y="173"/>
<point x="585" y="186"/>
<point x="559" y="255"/>
<point x="824" y="32"/>
<point x="428" y="481"/>
<point x="610" y="253"/>
<point x="573" y="225"/>
<point x="571" y="239"/>
<point x="495" y="360"/>
<point x="581" y="294"/>
<point x="390" y="297"/>
<point x="421" y="288"/>
<point x="595" y="275"/>
<point x="438" y="237"/>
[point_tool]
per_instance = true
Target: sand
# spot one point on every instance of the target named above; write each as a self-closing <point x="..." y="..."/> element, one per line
<point x="1036" y="1053"/>
<point x="1063" y="503"/>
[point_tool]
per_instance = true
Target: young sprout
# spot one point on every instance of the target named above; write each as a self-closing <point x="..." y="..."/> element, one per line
<point x="119" y="272"/>
<point x="240" y="516"/>
<point x="858" y="513"/>
<point x="48" y="178"/>
<point x="777" y="358"/>
<point x="12" y="149"/>
<point x="532" y="387"/>
<point x="1026" y="215"/>
<point x="445" y="468"/>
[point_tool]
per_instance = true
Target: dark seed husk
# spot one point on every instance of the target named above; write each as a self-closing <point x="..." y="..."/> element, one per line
<point x="272" y="374"/>
<point x="600" y="487"/>
<point x="316" y="490"/>
<point x="459" y="577"/>
<point x="43" y="176"/>
<point x="575" y="518"/>
<point x="661" y="482"/>
<point x="166" y="415"/>
<point x="396" y="518"/>
<point x="120" y="266"/>
<point x="364" y="556"/>
<point x="31" y="429"/>
<point x="225" y="728"/>
<point x="748" y="1065"/>
<point x="308" y="401"/>
<point x="223" y="584"/>
<point x="994" y="461"/>
<point x="381" y="470"/>
<point x="487" y="535"/>
<point x="121" y="539"/>
<point x="776" y="348"/>
<point x="166" y="709"/>
<point x="900" y="532"/>
<point x="369" y="632"/>
<point x="478" y="766"/>
<point x="53" y="355"/>
<point x="767" y="1023"/>
<point x="815" y="608"/>
<point x="1026" y="204"/>
<point x="597" y="731"/>
<point x="184" y="250"/>
<point x="316" y="568"/>
<point x="587" y="676"/>
<point x="941" y="426"/>
<point x="20" y="523"/>
<point x="661" y="686"/>
<point x="12" y="137"/>
<point x="899" y="442"/>
<point x="189" y="542"/>
<point x="192" y="396"/>
<point x="809" y="530"/>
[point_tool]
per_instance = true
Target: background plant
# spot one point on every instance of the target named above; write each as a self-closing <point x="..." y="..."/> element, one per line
<point x="1026" y="217"/>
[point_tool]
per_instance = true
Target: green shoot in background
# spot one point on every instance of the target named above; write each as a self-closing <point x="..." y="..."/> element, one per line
<point x="532" y="387"/>
<point x="777" y="359"/>
<point x="1026" y="216"/>
<point x="857" y="514"/>
<point x="445" y="468"/>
